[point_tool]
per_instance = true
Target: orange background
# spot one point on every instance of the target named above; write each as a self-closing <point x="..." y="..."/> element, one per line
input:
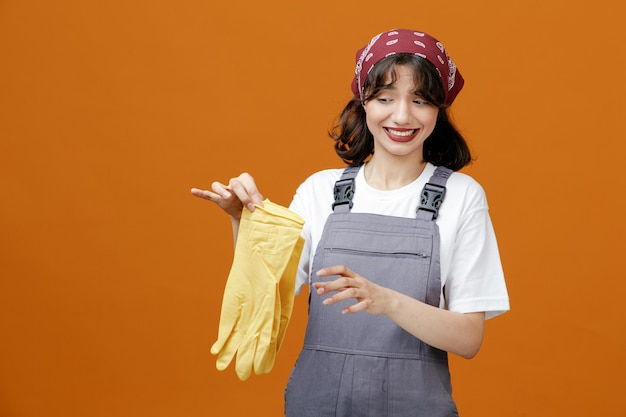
<point x="111" y="273"/>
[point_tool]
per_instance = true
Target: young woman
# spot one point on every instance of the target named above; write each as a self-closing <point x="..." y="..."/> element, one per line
<point x="400" y="251"/>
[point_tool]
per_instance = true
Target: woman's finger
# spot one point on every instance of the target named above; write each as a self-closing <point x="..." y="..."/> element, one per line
<point x="240" y="192"/>
<point x="205" y="194"/>
<point x="340" y="284"/>
<point x="355" y="308"/>
<point x="246" y="190"/>
<point x="343" y="294"/>
<point x="221" y="189"/>
<point x="341" y="270"/>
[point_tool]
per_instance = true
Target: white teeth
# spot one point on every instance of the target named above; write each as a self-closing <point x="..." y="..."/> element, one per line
<point x="404" y="133"/>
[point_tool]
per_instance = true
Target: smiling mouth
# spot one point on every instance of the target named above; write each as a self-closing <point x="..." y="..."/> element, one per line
<point x="404" y="133"/>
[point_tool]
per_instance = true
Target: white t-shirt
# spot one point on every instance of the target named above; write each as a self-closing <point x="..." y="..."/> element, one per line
<point x="472" y="279"/>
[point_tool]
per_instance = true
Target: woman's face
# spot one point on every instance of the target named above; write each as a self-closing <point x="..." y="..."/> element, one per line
<point x="399" y="119"/>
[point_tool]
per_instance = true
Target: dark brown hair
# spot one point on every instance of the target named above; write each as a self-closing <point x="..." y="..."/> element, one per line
<point x="444" y="147"/>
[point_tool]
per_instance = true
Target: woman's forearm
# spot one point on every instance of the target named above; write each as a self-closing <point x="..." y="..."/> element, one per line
<point x="453" y="332"/>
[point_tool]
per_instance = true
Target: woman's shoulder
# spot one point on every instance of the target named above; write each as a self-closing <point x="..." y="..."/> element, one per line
<point x="314" y="196"/>
<point x="463" y="184"/>
<point x="458" y="181"/>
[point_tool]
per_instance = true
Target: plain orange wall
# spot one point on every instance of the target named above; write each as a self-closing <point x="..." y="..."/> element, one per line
<point x="111" y="273"/>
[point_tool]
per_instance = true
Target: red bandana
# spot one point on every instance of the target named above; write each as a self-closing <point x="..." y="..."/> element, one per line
<point x="407" y="41"/>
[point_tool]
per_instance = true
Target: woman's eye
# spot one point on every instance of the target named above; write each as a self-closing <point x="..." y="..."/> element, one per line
<point x="384" y="99"/>
<point x="421" y="102"/>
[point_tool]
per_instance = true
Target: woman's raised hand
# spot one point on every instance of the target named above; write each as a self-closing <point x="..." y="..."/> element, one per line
<point x="369" y="297"/>
<point x="241" y="191"/>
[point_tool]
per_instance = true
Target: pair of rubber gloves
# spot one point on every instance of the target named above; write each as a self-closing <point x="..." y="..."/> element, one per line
<point x="259" y="294"/>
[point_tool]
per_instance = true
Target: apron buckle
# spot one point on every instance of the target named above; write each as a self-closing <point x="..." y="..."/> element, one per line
<point x="344" y="191"/>
<point x="432" y="197"/>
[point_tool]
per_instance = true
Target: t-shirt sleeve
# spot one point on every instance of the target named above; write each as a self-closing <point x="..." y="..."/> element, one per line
<point x="475" y="279"/>
<point x="297" y="205"/>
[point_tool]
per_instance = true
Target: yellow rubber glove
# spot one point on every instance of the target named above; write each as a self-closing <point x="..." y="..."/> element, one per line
<point x="265" y="243"/>
<point x="265" y="353"/>
<point x="282" y="314"/>
<point x="287" y="289"/>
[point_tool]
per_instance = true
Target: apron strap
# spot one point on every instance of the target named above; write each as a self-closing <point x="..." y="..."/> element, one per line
<point x="432" y="196"/>
<point x="433" y="193"/>
<point x="344" y="190"/>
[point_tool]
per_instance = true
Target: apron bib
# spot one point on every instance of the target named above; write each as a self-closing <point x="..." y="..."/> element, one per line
<point x="363" y="365"/>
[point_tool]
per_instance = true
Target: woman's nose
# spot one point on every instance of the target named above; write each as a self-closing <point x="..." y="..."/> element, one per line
<point x="401" y="113"/>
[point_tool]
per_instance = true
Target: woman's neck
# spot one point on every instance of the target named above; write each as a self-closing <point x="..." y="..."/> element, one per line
<point x="386" y="174"/>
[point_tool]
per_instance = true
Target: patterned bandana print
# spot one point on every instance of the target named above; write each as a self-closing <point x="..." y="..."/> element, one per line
<point x="407" y="41"/>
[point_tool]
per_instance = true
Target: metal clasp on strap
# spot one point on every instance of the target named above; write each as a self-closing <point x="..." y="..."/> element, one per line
<point x="344" y="191"/>
<point x="432" y="197"/>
